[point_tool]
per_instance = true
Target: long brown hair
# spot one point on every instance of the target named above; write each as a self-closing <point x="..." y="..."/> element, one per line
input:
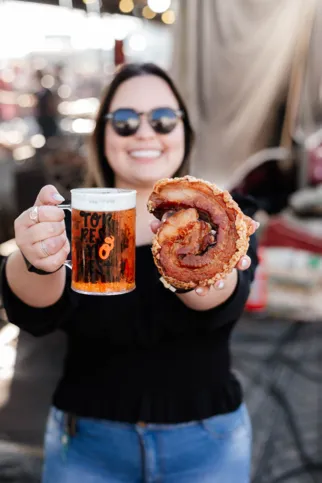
<point x="100" y="172"/>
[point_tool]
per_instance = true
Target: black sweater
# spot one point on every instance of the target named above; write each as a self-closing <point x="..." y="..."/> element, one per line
<point x="142" y="356"/>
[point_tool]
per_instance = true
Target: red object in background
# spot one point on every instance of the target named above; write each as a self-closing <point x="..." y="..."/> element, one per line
<point x="257" y="300"/>
<point x="119" y="58"/>
<point x="315" y="165"/>
<point x="279" y="233"/>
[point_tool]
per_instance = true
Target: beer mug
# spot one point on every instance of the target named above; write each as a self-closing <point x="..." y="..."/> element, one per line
<point x="103" y="240"/>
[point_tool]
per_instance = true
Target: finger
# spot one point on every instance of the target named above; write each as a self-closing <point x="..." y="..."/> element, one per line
<point x="45" y="230"/>
<point x="53" y="262"/>
<point x="219" y="285"/>
<point x="48" y="195"/>
<point x="50" y="246"/>
<point x="50" y="213"/>
<point x="155" y="225"/>
<point x="202" y="291"/>
<point x="45" y="213"/>
<point x="255" y="226"/>
<point x="244" y="263"/>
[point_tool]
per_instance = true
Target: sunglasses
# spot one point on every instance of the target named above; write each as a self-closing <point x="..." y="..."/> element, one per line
<point x="126" y="122"/>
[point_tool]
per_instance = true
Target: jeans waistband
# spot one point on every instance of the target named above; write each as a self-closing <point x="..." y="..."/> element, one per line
<point x="70" y="421"/>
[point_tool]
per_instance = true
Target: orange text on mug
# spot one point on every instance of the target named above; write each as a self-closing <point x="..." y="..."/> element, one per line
<point x="103" y="242"/>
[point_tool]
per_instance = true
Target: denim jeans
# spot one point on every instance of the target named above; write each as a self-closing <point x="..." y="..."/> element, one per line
<point x="213" y="450"/>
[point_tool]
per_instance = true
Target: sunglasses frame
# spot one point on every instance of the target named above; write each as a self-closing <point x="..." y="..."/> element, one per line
<point x="178" y="112"/>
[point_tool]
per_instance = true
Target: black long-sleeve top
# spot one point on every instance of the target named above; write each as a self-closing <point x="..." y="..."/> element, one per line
<point x="142" y="356"/>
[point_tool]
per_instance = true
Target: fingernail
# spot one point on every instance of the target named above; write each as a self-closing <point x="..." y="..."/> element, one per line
<point x="258" y="224"/>
<point x="244" y="263"/>
<point x="58" y="197"/>
<point x="220" y="285"/>
<point x="199" y="290"/>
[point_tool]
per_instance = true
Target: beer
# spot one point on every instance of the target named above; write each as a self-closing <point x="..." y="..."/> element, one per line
<point x="103" y="241"/>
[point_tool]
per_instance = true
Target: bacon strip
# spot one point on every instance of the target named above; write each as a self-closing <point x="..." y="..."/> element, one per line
<point x="203" y="238"/>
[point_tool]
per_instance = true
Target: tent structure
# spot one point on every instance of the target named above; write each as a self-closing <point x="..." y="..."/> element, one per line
<point x="234" y="61"/>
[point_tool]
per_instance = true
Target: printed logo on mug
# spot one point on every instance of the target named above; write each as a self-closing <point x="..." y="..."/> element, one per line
<point x="103" y="240"/>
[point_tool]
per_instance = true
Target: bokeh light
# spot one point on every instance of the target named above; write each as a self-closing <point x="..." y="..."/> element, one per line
<point x="148" y="13"/>
<point x="168" y="17"/>
<point x="126" y="6"/>
<point x="159" y="6"/>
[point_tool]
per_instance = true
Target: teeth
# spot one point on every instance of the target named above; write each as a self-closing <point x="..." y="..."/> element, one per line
<point x="151" y="153"/>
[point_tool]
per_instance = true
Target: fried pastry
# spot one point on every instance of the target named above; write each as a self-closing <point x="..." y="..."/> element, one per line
<point x="203" y="235"/>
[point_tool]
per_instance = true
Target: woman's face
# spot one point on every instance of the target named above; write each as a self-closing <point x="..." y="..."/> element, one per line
<point x="146" y="156"/>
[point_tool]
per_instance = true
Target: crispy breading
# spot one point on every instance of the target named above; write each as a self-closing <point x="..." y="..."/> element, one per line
<point x="177" y="235"/>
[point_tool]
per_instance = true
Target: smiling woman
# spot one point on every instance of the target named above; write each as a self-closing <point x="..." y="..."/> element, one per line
<point x="143" y="129"/>
<point x="157" y="365"/>
<point x="151" y="146"/>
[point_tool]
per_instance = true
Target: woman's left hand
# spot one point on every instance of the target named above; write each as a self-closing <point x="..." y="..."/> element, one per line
<point x="243" y="264"/>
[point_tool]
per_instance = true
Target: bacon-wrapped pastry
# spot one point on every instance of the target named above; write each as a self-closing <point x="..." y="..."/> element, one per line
<point x="204" y="235"/>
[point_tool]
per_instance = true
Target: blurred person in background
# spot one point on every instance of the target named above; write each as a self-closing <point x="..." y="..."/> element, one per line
<point x="46" y="113"/>
<point x="58" y="74"/>
<point x="147" y="392"/>
<point x="237" y="61"/>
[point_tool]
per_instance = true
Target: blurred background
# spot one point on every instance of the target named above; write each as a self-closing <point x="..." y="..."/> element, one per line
<point x="251" y="74"/>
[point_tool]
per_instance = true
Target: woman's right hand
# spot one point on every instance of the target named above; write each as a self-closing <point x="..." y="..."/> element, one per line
<point x="40" y="231"/>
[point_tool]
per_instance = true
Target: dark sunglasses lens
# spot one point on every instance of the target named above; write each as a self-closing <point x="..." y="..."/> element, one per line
<point x="163" y="120"/>
<point x="125" y="122"/>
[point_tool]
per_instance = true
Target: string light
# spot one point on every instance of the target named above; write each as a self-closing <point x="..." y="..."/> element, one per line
<point x="83" y="126"/>
<point x="37" y="141"/>
<point x="148" y="13"/>
<point x="64" y="91"/>
<point x="159" y="6"/>
<point x="14" y="137"/>
<point x="48" y="81"/>
<point x="23" y="152"/>
<point x="25" y="100"/>
<point x="168" y="17"/>
<point x="126" y="6"/>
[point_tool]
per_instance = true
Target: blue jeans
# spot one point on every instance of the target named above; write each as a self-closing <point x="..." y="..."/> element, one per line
<point x="213" y="450"/>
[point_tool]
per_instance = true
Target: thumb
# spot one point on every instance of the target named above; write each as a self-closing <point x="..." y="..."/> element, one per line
<point x="155" y="225"/>
<point x="48" y="195"/>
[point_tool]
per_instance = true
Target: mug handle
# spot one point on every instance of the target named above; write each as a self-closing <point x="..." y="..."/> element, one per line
<point x="68" y="263"/>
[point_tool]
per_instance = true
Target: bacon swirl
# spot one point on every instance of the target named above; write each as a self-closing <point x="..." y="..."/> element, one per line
<point x="204" y="235"/>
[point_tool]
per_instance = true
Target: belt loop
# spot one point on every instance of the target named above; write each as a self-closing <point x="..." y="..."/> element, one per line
<point x="141" y="424"/>
<point x="70" y="424"/>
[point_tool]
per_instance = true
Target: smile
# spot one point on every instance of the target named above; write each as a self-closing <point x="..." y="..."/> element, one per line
<point x="146" y="153"/>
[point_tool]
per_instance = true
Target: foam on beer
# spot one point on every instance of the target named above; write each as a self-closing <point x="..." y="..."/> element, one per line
<point x="103" y="199"/>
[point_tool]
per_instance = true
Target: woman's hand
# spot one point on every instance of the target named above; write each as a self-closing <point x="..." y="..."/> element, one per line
<point x="40" y="231"/>
<point x="243" y="264"/>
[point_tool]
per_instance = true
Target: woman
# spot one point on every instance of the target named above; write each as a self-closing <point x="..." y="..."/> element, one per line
<point x="147" y="394"/>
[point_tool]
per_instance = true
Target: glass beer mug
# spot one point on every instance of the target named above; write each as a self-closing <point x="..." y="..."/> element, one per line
<point x="103" y="240"/>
